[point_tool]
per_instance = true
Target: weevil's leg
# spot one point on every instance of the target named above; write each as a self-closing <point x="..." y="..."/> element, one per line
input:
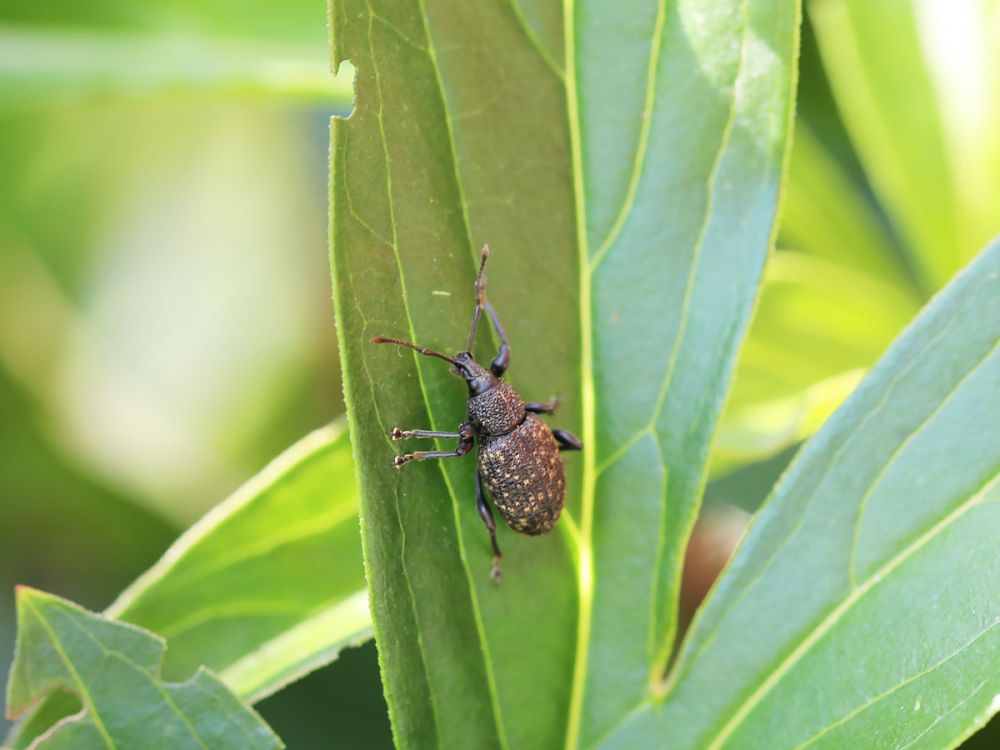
<point x="480" y="284"/>
<point x="487" y="515"/>
<point x="466" y="439"/>
<point x="542" y="407"/>
<point x="500" y="362"/>
<point x="567" y="440"/>
<point x="398" y="434"/>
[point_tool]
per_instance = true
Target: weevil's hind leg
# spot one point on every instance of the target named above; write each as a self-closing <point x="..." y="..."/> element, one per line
<point x="487" y="515"/>
<point x="465" y="435"/>
<point x="542" y="407"/>
<point x="567" y="440"/>
<point x="500" y="362"/>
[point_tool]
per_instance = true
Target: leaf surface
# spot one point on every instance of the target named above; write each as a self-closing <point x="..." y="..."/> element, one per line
<point x="865" y="593"/>
<point x="629" y="196"/>
<point x="114" y="669"/>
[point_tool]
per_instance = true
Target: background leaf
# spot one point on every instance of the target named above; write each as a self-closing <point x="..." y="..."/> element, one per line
<point x="62" y="51"/>
<point x="628" y="244"/>
<point x="230" y="594"/>
<point x="922" y="109"/>
<point x="896" y="197"/>
<point x="114" y="668"/>
<point x="867" y="585"/>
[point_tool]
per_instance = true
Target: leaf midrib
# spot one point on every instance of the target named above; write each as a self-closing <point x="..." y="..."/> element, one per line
<point x="585" y="559"/>
<point x="899" y="686"/>
<point x="80" y="684"/>
<point x="588" y="267"/>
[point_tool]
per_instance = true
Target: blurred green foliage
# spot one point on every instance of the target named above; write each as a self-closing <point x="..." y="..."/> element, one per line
<point x="164" y="300"/>
<point x="164" y="295"/>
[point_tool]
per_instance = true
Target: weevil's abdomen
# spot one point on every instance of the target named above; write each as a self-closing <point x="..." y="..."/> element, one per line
<point x="524" y="473"/>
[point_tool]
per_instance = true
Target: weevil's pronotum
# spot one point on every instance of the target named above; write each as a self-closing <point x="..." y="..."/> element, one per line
<point x="519" y="462"/>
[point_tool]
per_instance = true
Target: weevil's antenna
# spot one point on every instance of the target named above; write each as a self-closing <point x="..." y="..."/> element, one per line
<point x="421" y="349"/>
<point x="480" y="295"/>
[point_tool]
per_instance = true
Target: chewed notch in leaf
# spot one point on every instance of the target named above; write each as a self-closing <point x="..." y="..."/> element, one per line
<point x="114" y="668"/>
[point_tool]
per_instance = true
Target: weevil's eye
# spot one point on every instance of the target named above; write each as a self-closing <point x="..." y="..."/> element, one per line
<point x="461" y="366"/>
<point x="480" y="385"/>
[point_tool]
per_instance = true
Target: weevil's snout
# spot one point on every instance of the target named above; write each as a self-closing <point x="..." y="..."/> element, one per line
<point x="478" y="378"/>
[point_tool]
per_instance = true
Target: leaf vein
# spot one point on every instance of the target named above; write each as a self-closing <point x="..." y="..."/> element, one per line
<point x="652" y="73"/>
<point x="467" y="224"/>
<point x="838" y="612"/>
<point x="684" y="664"/>
<point x="896" y="688"/>
<point x="379" y="117"/>
<point x="898" y="451"/>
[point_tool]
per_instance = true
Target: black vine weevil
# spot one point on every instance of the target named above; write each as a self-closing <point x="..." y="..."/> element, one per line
<point x="519" y="460"/>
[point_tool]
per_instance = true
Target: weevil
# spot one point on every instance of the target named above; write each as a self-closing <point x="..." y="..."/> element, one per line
<point x="519" y="462"/>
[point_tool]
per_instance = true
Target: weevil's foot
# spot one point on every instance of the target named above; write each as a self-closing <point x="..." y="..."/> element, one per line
<point x="400" y="461"/>
<point x="495" y="571"/>
<point x="396" y="434"/>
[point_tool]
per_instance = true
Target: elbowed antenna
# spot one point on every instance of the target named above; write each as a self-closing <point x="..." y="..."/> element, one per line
<point x="479" y="296"/>
<point x="421" y="349"/>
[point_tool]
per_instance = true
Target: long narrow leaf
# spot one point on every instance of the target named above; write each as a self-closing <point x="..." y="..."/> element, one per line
<point x="862" y="607"/>
<point x="629" y="195"/>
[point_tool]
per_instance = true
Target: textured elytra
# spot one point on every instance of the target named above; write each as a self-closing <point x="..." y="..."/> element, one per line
<point x="497" y="411"/>
<point x="523" y="472"/>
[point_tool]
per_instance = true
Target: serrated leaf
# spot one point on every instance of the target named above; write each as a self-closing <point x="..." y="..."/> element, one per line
<point x="114" y="668"/>
<point x="269" y="585"/>
<point x="629" y="196"/>
<point x="861" y="609"/>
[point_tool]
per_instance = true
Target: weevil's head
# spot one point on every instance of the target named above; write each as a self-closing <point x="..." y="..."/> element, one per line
<point x="478" y="378"/>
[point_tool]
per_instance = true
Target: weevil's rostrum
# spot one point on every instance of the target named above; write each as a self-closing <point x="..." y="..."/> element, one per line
<point x="519" y="455"/>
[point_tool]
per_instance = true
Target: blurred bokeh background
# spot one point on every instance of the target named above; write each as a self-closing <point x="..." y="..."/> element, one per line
<point x="165" y="324"/>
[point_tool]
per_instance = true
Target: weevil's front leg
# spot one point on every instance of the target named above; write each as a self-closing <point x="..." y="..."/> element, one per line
<point x="398" y="434"/>
<point x="567" y="440"/>
<point x="466" y="439"/>
<point x="542" y="407"/>
<point x="500" y="362"/>
<point x="487" y="515"/>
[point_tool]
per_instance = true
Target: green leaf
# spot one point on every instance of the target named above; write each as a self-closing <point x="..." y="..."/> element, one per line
<point x="269" y="585"/>
<point x="629" y="195"/>
<point x="40" y="66"/>
<point x="114" y="669"/>
<point x="826" y="214"/>
<point x="862" y="606"/>
<point x="916" y="84"/>
<point x="67" y="50"/>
